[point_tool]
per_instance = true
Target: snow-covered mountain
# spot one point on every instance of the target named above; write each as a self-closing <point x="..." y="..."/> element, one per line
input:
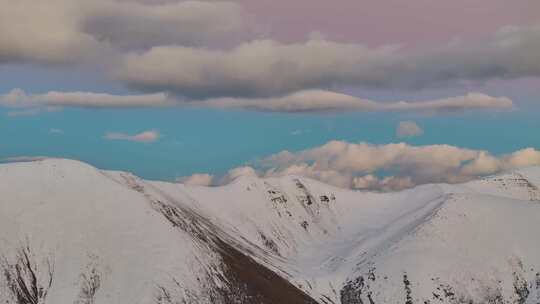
<point x="70" y="233"/>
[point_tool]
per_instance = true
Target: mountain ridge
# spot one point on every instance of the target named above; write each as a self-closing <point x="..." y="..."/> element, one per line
<point x="286" y="240"/>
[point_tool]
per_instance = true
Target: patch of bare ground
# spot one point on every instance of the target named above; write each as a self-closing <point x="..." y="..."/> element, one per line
<point x="259" y="284"/>
<point x="248" y="281"/>
<point x="28" y="279"/>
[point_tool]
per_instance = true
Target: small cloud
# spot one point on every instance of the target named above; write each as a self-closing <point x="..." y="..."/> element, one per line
<point x="143" y="137"/>
<point x="408" y="129"/>
<point x="299" y="132"/>
<point x="56" y="131"/>
<point x="25" y="112"/>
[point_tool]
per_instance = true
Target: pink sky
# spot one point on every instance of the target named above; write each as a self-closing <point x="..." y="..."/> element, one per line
<point x="377" y="22"/>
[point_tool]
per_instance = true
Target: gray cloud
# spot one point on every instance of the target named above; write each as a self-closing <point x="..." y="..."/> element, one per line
<point x="178" y="47"/>
<point x="361" y="166"/>
<point x="265" y="68"/>
<point x="139" y="25"/>
<point x="512" y="52"/>
<point x="43" y="31"/>
<point x="257" y="68"/>
<point x="69" y="31"/>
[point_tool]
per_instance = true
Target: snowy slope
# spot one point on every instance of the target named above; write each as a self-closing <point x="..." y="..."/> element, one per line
<point x="82" y="220"/>
<point x="286" y="240"/>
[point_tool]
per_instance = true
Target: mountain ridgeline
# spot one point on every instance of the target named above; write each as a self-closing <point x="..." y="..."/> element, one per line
<point x="71" y="233"/>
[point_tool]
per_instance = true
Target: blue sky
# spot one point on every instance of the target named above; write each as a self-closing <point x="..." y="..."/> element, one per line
<point x="214" y="141"/>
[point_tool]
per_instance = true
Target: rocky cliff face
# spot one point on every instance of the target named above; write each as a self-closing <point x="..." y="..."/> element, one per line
<point x="70" y="233"/>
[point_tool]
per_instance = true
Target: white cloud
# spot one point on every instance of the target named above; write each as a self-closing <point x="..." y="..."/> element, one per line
<point x="304" y="101"/>
<point x="408" y="129"/>
<point x="204" y="179"/>
<point x="523" y="158"/>
<point x="389" y="183"/>
<point x="56" y="131"/>
<point x="28" y="111"/>
<point x="482" y="164"/>
<point x="18" y="98"/>
<point x="299" y="132"/>
<point x="322" y="101"/>
<point x="24" y="112"/>
<point x="201" y="179"/>
<point x="387" y="167"/>
<point x="143" y="137"/>
<point x="236" y="173"/>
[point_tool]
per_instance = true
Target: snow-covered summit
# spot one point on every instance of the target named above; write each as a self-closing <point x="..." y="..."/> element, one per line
<point x="111" y="237"/>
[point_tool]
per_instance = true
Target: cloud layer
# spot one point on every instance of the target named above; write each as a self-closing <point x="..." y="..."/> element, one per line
<point x="269" y="68"/>
<point x="304" y="101"/>
<point x="68" y="31"/>
<point x="18" y="98"/>
<point x="206" y="53"/>
<point x="139" y="25"/>
<point x="386" y="167"/>
<point x="322" y="101"/>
